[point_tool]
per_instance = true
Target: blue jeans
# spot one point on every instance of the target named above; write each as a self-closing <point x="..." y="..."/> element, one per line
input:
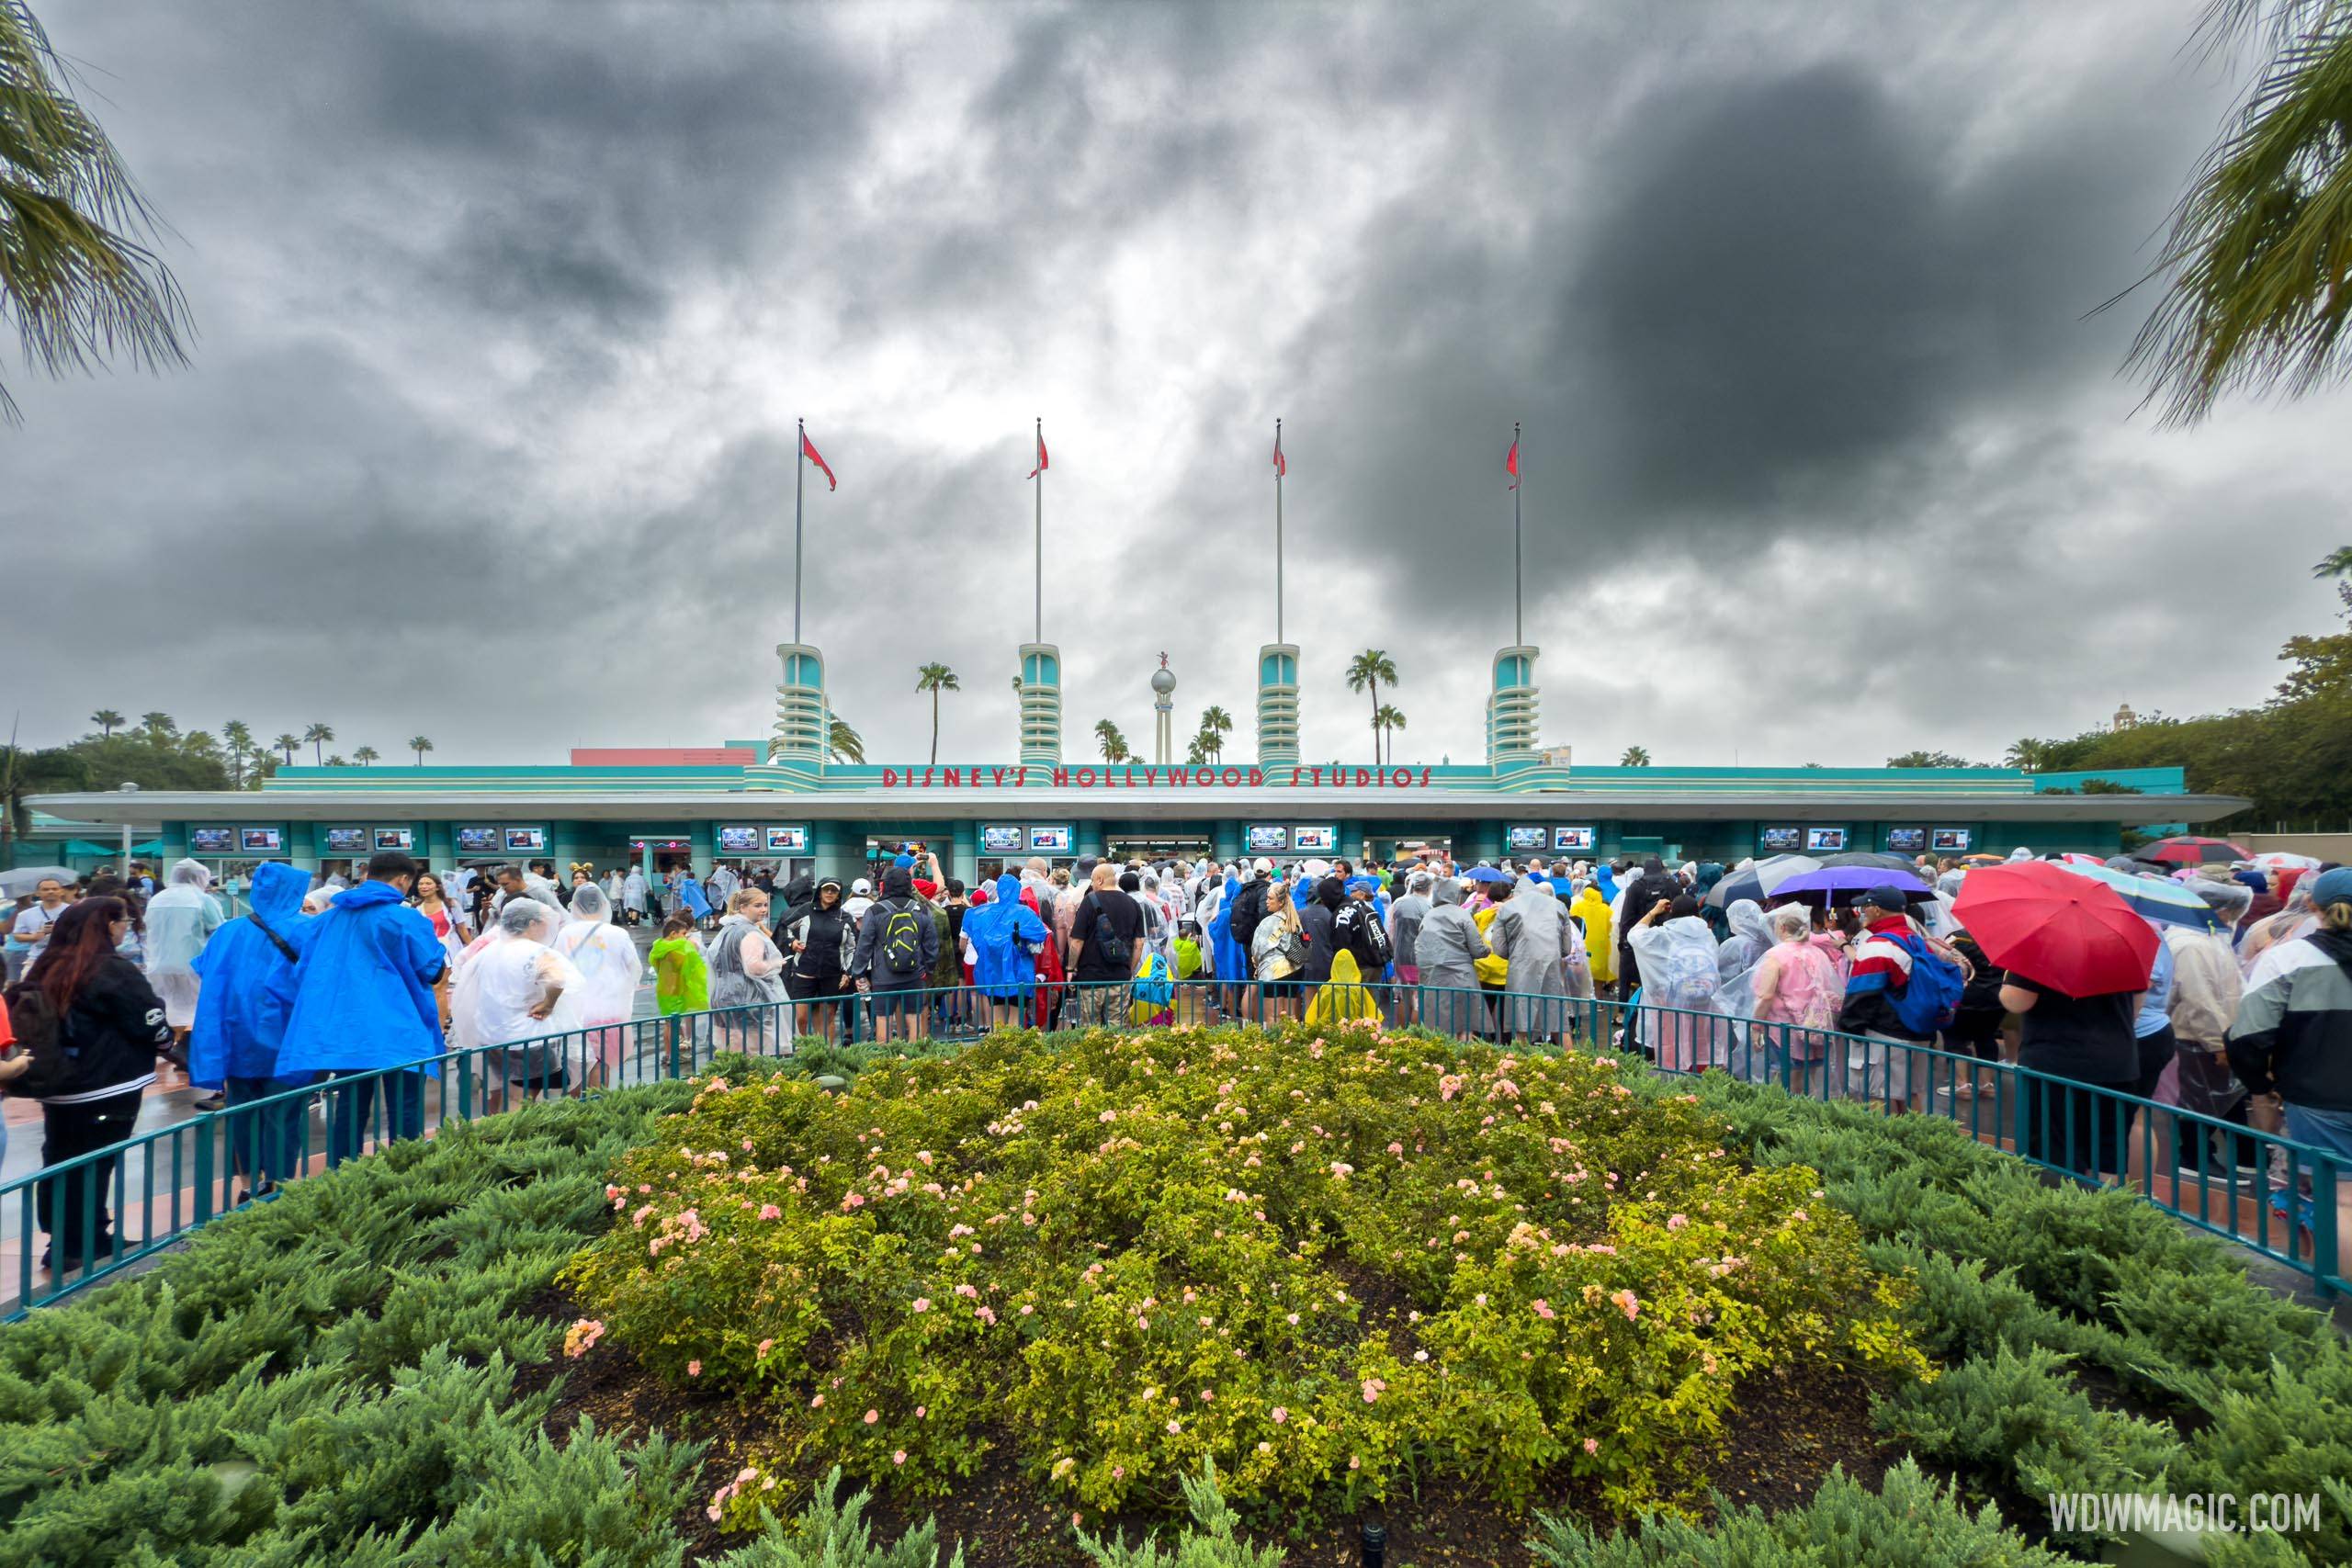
<point x="351" y="1109"/>
<point x="265" y="1146"/>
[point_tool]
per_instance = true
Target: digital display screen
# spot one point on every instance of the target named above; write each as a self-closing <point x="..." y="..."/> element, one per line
<point x="346" y="841"/>
<point x="1906" y="840"/>
<point x="261" y="841"/>
<point x="526" y="839"/>
<point x="1779" y="840"/>
<point x="1269" y="841"/>
<point x="1051" y="841"/>
<point x="1001" y="841"/>
<point x="477" y="841"/>
<point x="396" y="837"/>
<point x="212" y="840"/>
<point x="738" y="840"/>
<point x="1825" y="838"/>
<point x="1955" y="841"/>
<point x="787" y="840"/>
<point x="1525" y="839"/>
<point x="1322" y="840"/>
<point x="1575" y="837"/>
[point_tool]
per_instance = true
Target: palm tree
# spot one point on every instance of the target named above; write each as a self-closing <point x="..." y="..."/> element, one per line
<point x="420" y="744"/>
<point x="158" y="728"/>
<point x="316" y="738"/>
<point x="1387" y="719"/>
<point x="844" y="743"/>
<point x="286" y="741"/>
<point x="364" y="755"/>
<point x="24" y="773"/>
<point x="337" y="761"/>
<point x="239" y="736"/>
<point x="1113" y="744"/>
<point x="74" y="280"/>
<point x="1197" y="750"/>
<point x="1370" y="668"/>
<point x="1634" y="757"/>
<point x="2028" y="755"/>
<point x="1215" y="725"/>
<point x="935" y="679"/>
<point x="107" y="721"/>
<point x="2259" y="259"/>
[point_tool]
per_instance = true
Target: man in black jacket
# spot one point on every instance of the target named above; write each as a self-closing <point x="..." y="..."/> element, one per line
<point x="1653" y="884"/>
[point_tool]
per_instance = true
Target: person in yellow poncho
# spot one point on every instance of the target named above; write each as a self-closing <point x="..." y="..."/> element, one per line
<point x="1493" y="968"/>
<point x="1344" y="996"/>
<point x="1594" y="911"/>
<point x="681" y="974"/>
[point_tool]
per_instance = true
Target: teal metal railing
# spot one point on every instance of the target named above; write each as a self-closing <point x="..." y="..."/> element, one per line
<point x="86" y="1219"/>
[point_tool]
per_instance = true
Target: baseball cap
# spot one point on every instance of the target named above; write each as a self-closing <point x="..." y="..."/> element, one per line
<point x="2332" y="885"/>
<point x="1261" y="863"/>
<point x="1886" y="895"/>
<point x="861" y="887"/>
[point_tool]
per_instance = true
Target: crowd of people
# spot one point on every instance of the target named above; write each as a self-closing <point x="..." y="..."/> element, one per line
<point x="2244" y="1018"/>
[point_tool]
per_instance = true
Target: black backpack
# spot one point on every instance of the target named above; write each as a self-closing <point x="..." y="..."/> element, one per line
<point x="902" y="943"/>
<point x="1367" y="940"/>
<point x="1248" y="909"/>
<point x="1107" y="940"/>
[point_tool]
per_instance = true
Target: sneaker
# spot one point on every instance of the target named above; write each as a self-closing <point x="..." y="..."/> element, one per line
<point x="206" y="1102"/>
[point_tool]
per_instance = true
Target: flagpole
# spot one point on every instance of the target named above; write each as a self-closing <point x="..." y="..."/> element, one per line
<point x="1040" y="477"/>
<point x="1278" y="536"/>
<point x="1518" y="614"/>
<point x="800" y="466"/>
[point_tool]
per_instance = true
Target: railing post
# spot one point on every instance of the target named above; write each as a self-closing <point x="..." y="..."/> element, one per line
<point x="202" y="1130"/>
<point x="2324" y="1239"/>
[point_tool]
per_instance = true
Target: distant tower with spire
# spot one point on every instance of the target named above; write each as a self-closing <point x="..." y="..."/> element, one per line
<point x="1163" y="707"/>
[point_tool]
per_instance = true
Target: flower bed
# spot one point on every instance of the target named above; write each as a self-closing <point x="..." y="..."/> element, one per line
<point x="1315" y="1263"/>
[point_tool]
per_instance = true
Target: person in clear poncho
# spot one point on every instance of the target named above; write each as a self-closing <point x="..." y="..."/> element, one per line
<point x="1676" y="954"/>
<point x="512" y="987"/>
<point x="2299" y="916"/>
<point x="1548" y="965"/>
<point x="1448" y="949"/>
<point x="1794" y="991"/>
<point x="609" y="970"/>
<point x="1738" y="952"/>
<point x="180" y="921"/>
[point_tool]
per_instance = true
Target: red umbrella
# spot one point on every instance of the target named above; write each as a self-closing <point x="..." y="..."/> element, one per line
<point x="2192" y="851"/>
<point x="2054" y="926"/>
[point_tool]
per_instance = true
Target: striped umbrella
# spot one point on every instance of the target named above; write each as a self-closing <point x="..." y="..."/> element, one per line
<point x="2158" y="899"/>
<point x="1760" y="882"/>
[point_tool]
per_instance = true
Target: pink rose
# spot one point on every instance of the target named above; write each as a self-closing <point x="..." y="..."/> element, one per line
<point x="872" y="1416"/>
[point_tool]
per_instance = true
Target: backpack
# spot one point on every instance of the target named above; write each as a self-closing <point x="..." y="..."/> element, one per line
<point x="1367" y="940"/>
<point x="1929" y="1001"/>
<point x="1248" y="909"/>
<point x="901" y="943"/>
<point x="1153" y="984"/>
<point x="1107" y="941"/>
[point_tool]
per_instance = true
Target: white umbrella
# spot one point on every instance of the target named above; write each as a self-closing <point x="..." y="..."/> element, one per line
<point x="25" y="878"/>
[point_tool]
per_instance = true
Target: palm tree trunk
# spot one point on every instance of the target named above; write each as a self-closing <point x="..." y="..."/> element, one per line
<point x="935" y="725"/>
<point x="319" y="752"/>
<point x="1374" y="685"/>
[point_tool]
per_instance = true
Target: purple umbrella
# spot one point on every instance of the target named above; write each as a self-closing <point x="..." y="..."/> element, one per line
<point x="1843" y="884"/>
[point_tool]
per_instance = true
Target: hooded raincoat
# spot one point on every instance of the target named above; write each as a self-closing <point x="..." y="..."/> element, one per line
<point x="361" y="996"/>
<point x="180" y="921"/>
<point x="241" y="1014"/>
<point x="609" y="967"/>
<point x="1449" y="948"/>
<point x="1344" y="996"/>
<point x="1548" y="965"/>
<point x="1749" y="939"/>
<point x="1600" y="947"/>
<point x="1230" y="963"/>
<point x="1679" y="984"/>
<point x="1005" y="934"/>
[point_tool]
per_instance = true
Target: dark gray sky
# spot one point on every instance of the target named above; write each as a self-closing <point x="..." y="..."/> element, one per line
<point x="507" y="310"/>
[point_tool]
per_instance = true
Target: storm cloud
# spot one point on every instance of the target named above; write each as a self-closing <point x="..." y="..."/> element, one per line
<point x="507" y="314"/>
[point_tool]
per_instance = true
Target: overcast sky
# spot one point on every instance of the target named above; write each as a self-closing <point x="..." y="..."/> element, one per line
<point x="505" y="312"/>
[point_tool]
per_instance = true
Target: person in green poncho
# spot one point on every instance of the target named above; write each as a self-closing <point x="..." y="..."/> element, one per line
<point x="681" y="974"/>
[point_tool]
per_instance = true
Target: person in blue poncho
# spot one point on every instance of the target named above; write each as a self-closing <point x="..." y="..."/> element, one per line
<point x="1231" y="961"/>
<point x="1005" y="935"/>
<point x="359" y="999"/>
<point x="241" y="1023"/>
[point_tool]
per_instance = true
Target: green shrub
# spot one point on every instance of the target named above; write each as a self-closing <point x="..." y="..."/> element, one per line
<point x="1911" y="1520"/>
<point x="1211" y="1542"/>
<point x="832" y="1534"/>
<point x="1137" y="1251"/>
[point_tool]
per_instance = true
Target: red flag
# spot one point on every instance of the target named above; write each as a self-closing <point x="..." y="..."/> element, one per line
<point x="1510" y="465"/>
<point x="810" y="452"/>
<point x="1042" y="464"/>
<point x="1281" y="468"/>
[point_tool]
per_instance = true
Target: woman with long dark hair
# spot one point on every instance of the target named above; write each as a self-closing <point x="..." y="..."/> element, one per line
<point x="110" y="1025"/>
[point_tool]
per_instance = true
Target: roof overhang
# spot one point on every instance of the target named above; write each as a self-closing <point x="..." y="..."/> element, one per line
<point x="148" y="807"/>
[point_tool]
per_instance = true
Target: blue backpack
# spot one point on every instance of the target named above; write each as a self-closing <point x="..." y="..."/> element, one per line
<point x="1153" y="985"/>
<point x="1930" y="999"/>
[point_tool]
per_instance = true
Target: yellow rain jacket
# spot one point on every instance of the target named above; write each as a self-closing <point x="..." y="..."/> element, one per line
<point x="1493" y="968"/>
<point x="1344" y="996"/>
<point x="1594" y="911"/>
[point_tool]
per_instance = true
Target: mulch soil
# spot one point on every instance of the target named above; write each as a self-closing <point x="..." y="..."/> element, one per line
<point x="1788" y="1431"/>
